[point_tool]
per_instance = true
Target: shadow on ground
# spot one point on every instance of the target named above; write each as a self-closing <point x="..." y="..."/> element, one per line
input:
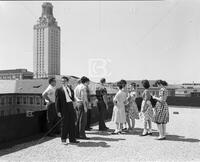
<point x="21" y="144"/>
<point x="107" y="139"/>
<point x="93" y="144"/>
<point x="177" y="138"/>
<point x="138" y="131"/>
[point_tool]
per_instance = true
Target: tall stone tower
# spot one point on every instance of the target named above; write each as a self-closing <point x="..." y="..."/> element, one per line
<point x="46" y="53"/>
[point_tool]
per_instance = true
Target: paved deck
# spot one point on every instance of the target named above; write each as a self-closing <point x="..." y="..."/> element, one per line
<point x="182" y="144"/>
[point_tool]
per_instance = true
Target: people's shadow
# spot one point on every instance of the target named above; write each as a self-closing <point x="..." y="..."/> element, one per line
<point x="135" y="131"/>
<point x="93" y="144"/>
<point x="106" y="139"/>
<point x="177" y="138"/>
<point x="102" y="133"/>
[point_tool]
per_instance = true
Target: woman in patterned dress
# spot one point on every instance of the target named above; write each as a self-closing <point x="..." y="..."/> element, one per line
<point x="146" y="109"/>
<point x="118" y="116"/>
<point x="131" y="107"/>
<point x="161" y="117"/>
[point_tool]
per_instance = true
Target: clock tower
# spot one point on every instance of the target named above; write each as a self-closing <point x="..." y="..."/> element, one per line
<point x="46" y="52"/>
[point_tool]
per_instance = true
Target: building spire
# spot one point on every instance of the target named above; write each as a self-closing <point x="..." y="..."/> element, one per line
<point x="47" y="9"/>
<point x="47" y="18"/>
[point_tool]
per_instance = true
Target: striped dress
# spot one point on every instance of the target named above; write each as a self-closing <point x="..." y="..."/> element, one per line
<point x="161" y="109"/>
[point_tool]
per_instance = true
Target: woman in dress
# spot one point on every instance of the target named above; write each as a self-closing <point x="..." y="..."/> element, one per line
<point x="131" y="107"/>
<point x="118" y="116"/>
<point x="161" y="117"/>
<point x="146" y="109"/>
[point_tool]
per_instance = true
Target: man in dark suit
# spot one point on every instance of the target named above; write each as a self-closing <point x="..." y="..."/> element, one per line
<point x="64" y="97"/>
<point x="102" y="104"/>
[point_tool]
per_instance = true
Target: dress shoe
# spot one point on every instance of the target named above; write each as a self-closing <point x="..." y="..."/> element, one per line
<point x="161" y="138"/>
<point x="116" y="132"/>
<point x="144" y="134"/>
<point x="63" y="142"/>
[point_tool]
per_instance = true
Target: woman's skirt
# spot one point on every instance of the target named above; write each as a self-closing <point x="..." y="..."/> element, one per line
<point x="133" y="111"/>
<point x="119" y="115"/>
<point x="148" y="114"/>
<point x="161" y="115"/>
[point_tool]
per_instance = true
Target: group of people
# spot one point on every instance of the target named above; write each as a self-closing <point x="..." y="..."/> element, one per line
<point x="69" y="109"/>
<point x="153" y="108"/>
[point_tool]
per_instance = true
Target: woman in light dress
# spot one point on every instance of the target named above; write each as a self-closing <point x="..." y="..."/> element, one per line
<point x="161" y="117"/>
<point x="146" y="109"/>
<point x="120" y="99"/>
<point x="131" y="107"/>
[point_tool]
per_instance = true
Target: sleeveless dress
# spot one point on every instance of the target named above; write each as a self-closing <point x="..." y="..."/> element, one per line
<point x="119" y="115"/>
<point x="131" y="107"/>
<point x="161" y="109"/>
<point x="146" y="105"/>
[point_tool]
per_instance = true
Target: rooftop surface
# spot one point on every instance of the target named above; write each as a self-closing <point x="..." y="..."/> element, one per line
<point x="182" y="144"/>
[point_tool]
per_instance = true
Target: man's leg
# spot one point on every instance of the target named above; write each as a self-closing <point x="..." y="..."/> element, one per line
<point x="101" y="116"/>
<point x="71" y="121"/>
<point x="55" y="120"/>
<point x="88" y="119"/>
<point x="50" y="118"/>
<point x="83" y="122"/>
<point x="64" y="127"/>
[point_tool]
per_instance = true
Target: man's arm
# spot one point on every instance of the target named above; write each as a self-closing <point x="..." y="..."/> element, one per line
<point x="84" y="98"/>
<point x="105" y="97"/>
<point x="45" y="96"/>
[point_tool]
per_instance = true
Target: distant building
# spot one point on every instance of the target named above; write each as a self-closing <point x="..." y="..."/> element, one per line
<point x="46" y="51"/>
<point x="187" y="92"/>
<point x="13" y="74"/>
<point x="20" y="96"/>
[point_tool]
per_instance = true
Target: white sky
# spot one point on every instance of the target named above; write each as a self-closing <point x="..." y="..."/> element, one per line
<point x="137" y="40"/>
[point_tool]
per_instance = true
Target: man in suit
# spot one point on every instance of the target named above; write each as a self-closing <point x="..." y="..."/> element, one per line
<point x="64" y="97"/>
<point x="102" y="104"/>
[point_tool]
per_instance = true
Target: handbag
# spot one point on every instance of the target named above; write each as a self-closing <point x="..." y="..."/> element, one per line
<point x="153" y="101"/>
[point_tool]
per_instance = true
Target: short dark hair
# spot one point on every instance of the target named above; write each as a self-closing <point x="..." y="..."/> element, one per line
<point x="103" y="80"/>
<point x="51" y="80"/>
<point x="133" y="84"/>
<point x="84" y="79"/>
<point x="158" y="82"/>
<point x="64" y="77"/>
<point x="119" y="84"/>
<point x="164" y="83"/>
<point x="145" y="84"/>
<point x="161" y="82"/>
<point x="123" y="83"/>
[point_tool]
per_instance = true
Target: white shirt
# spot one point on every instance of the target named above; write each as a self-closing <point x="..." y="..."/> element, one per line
<point x="68" y="99"/>
<point x="50" y="93"/>
<point x="80" y="93"/>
